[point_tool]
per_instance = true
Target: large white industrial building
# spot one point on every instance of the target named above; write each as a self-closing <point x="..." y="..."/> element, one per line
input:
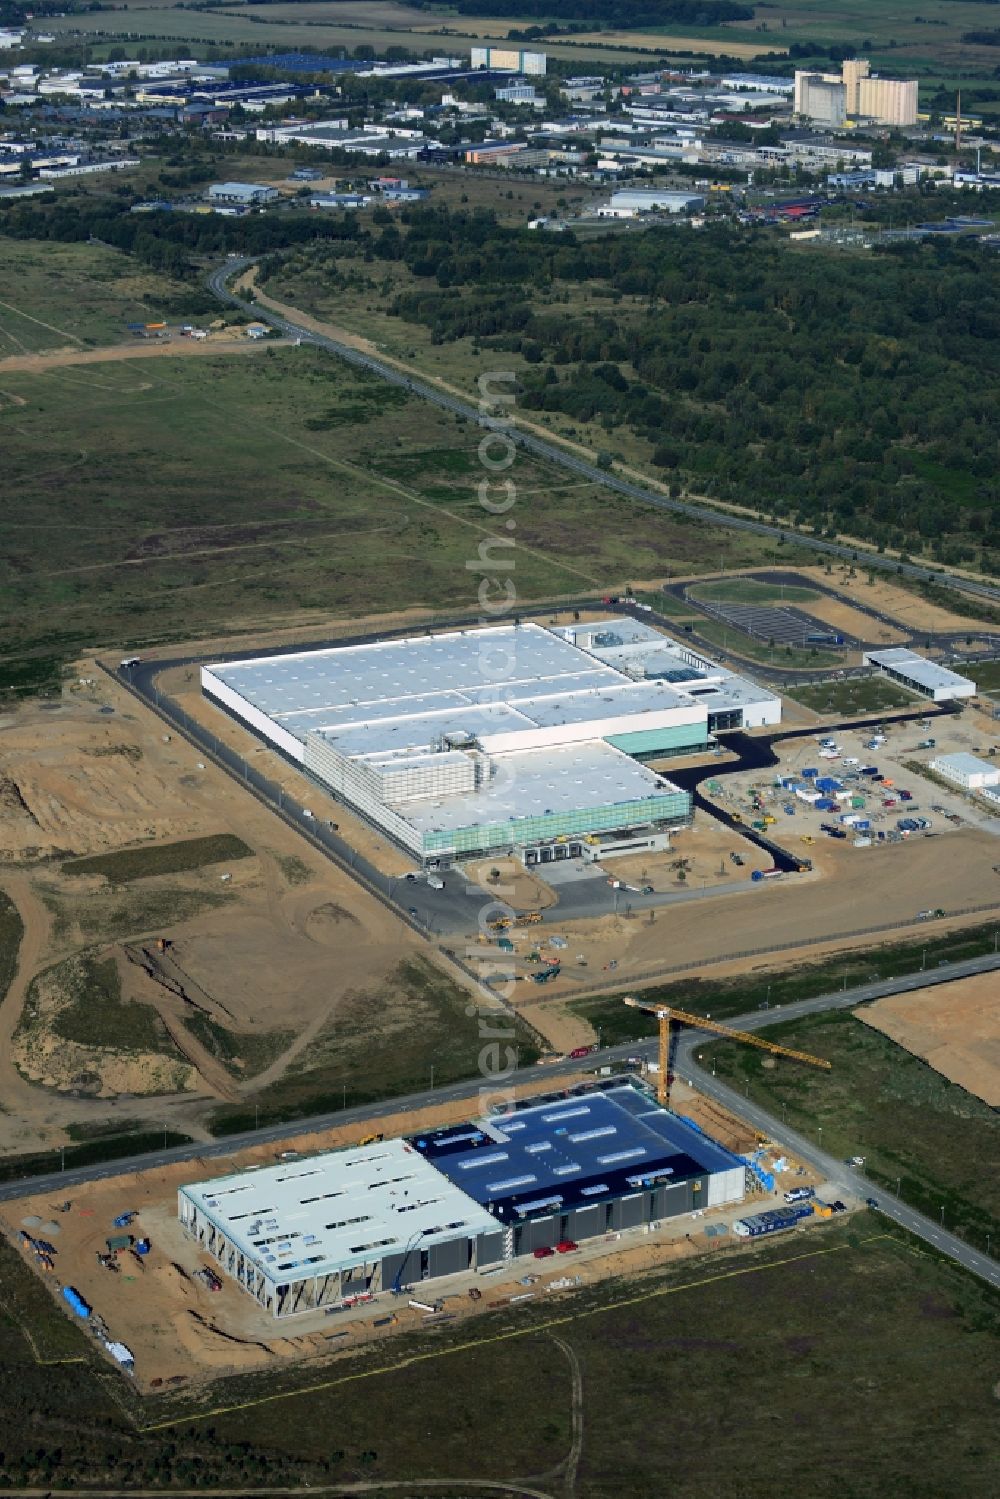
<point x="314" y="1233"/>
<point x="920" y="675"/>
<point x="492" y="739"/>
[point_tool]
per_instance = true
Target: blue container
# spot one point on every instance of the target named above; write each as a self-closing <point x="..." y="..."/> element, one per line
<point x="811" y="772"/>
<point x="76" y="1301"/>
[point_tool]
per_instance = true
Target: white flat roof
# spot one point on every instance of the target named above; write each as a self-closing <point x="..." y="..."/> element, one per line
<point x="530" y="783"/>
<point x="964" y="764"/>
<point x="644" y="648"/>
<point x="927" y="673"/>
<point x="329" y="1212"/>
<point x="398" y="693"/>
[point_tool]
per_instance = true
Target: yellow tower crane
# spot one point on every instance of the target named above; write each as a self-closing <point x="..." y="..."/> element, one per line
<point x="665" y="1014"/>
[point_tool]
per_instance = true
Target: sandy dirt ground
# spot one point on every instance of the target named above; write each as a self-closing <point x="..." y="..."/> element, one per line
<point x="908" y="609"/>
<point x="956" y="1029"/>
<point x="703" y="849"/>
<point x="179" y="1331"/>
<point x="880" y="887"/>
<point x="232" y="341"/>
<point x="852" y="621"/>
<point x="273" y="949"/>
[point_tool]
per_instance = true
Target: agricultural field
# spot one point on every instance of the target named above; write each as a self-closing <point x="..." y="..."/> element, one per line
<point x="911" y="1124"/>
<point x="892" y="33"/>
<point x="825" y="1325"/>
<point x="853" y="695"/>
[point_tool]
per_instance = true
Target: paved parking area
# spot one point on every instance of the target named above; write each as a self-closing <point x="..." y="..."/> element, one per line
<point x="785" y="626"/>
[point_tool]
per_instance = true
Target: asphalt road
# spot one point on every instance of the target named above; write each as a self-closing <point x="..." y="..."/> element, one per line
<point x="553" y="453"/>
<point x="686" y="1066"/>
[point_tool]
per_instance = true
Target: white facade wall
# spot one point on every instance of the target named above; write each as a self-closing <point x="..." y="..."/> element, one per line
<point x="438" y="775"/>
<point x="266" y="727"/>
<point x="361" y="786"/>
<point x="726" y="1186"/>
<point x="554" y="735"/>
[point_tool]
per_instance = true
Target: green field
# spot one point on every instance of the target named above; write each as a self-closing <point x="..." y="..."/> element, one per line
<point x="912" y="1126"/>
<point x="382" y="1042"/>
<point x="750" y="591"/>
<point x="95" y="1014"/>
<point x="242" y="1054"/>
<point x="986" y="675"/>
<point x="786" y="657"/>
<point x="855" y="695"/>
<point x="161" y="858"/>
<point x="66" y="296"/>
<point x="879" y="1356"/>
<point x="171" y="498"/>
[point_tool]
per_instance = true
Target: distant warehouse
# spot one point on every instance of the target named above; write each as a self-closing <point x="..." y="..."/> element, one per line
<point x="921" y="675"/>
<point x="630" y="202"/>
<point x="242" y="194"/>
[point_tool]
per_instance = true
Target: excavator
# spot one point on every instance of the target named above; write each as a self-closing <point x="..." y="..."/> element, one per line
<point x="668" y="1015"/>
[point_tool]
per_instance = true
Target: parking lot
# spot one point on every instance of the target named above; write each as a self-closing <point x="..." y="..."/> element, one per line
<point x="859" y="788"/>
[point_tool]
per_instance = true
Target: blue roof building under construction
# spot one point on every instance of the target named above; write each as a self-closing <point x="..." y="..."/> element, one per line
<point x="575" y="1166"/>
<point x="314" y="1233"/>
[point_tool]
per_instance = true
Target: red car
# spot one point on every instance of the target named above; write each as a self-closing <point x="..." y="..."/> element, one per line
<point x="543" y="1253"/>
<point x="566" y="1246"/>
<point x="580" y="1051"/>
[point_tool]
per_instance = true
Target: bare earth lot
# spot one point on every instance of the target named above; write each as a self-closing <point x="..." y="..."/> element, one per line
<point x="271" y="948"/>
<point x="958" y="1033"/>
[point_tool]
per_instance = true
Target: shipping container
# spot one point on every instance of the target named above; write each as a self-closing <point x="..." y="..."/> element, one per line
<point x="76" y="1301"/>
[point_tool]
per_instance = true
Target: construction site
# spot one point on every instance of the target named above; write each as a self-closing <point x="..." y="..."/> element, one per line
<point x="171" y="1277"/>
<point x="199" y="953"/>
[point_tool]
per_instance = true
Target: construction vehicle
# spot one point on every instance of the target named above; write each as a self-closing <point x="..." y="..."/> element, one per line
<point x="370" y="1139"/>
<point x="665" y="1015"/>
<point x="528" y="918"/>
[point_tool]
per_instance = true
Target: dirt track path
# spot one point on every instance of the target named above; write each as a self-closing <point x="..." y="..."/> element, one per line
<point x="183" y="348"/>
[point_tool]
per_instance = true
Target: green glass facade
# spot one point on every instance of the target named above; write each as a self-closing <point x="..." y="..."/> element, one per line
<point x="682" y="739"/>
<point x="671" y="806"/>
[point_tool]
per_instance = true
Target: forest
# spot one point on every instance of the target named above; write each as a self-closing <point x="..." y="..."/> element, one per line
<point x="613" y="13"/>
<point x="850" y="390"/>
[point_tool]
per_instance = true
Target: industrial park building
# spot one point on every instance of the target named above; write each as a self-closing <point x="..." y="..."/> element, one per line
<point x="242" y="194"/>
<point x="316" y="1232"/>
<point x="967" y="771"/>
<point x="491" y="740"/>
<point x="510" y="60"/>
<point x="920" y="675"/>
<point x="832" y="98"/>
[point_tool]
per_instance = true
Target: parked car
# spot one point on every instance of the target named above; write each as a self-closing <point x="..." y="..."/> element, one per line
<point x="566" y="1246"/>
<point x="543" y="1252"/>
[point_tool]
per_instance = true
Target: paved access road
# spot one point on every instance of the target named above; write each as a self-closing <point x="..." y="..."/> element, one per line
<point x="553" y="453"/>
<point x="847" y="1178"/>
<point x="478" y="1091"/>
